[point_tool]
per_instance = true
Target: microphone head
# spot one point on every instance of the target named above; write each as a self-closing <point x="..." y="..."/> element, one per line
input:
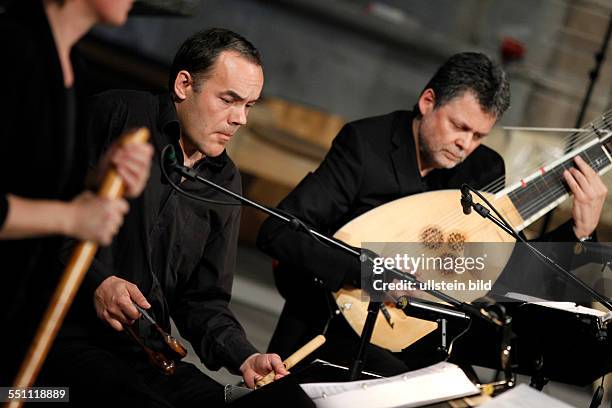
<point x="466" y="199"/>
<point x="170" y="156"/>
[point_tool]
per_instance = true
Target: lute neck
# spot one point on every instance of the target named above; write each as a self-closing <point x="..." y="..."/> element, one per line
<point x="545" y="189"/>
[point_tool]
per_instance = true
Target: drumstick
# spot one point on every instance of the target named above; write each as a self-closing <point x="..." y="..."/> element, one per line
<point x="293" y="359"/>
<point x="82" y="256"/>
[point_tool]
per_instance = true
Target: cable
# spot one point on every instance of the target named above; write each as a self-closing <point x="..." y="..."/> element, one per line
<point x="298" y="224"/>
<point x="501" y="218"/>
<point x="295" y="222"/>
<point x="550" y="263"/>
<point x="450" y="346"/>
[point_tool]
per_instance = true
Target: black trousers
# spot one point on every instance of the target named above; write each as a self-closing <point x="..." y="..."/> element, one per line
<point x="100" y="377"/>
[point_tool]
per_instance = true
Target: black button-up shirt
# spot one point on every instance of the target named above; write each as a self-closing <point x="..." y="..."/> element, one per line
<point x="178" y="251"/>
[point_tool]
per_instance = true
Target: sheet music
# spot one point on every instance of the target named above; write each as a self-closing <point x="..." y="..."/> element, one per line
<point x="572" y="308"/>
<point x="525" y="397"/>
<point x="565" y="306"/>
<point x="440" y="382"/>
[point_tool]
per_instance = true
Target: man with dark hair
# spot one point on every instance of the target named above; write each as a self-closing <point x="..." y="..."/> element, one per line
<point x="199" y="53"/>
<point x="175" y="255"/>
<point x="380" y="159"/>
<point x="474" y="72"/>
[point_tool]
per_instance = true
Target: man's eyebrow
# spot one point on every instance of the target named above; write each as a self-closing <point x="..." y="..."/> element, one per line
<point x="461" y="123"/>
<point x="466" y="126"/>
<point x="237" y="97"/>
<point x="234" y="95"/>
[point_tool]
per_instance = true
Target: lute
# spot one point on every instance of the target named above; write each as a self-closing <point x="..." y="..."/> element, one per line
<point x="442" y="226"/>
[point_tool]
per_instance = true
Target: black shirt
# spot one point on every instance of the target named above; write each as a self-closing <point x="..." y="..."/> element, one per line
<point x="178" y="251"/>
<point x="37" y="120"/>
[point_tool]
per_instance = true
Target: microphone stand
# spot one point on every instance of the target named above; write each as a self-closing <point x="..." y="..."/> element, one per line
<point x="466" y="201"/>
<point x="373" y="306"/>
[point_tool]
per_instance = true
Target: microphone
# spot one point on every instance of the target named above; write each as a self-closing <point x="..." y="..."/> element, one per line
<point x="466" y="199"/>
<point x="169" y="158"/>
<point x="170" y="164"/>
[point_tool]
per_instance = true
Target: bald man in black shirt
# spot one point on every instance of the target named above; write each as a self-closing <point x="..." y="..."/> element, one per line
<point x="175" y="255"/>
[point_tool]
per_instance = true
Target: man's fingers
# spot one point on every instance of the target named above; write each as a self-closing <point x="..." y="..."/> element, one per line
<point x="572" y="183"/>
<point x="115" y="324"/>
<point x="584" y="167"/>
<point x="128" y="309"/>
<point x="583" y="183"/>
<point x="277" y="364"/>
<point x="279" y="376"/>
<point x="120" y="313"/>
<point x="249" y="379"/>
<point x="137" y="297"/>
<point x="112" y="322"/>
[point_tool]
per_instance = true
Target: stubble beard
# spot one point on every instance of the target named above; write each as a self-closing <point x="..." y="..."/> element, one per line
<point x="428" y="155"/>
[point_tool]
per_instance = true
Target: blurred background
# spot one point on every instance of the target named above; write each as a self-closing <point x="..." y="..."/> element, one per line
<point x="331" y="61"/>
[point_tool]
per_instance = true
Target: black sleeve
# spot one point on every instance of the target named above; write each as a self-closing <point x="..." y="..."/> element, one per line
<point x="320" y="200"/>
<point x="566" y="248"/>
<point x="202" y="312"/>
<point x="16" y="107"/>
<point x="563" y="233"/>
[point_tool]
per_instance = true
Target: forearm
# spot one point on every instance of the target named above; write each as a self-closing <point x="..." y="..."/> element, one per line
<point x="30" y="218"/>
<point x="216" y="335"/>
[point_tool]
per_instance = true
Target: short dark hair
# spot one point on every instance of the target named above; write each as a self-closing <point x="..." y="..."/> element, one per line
<point x="474" y="72"/>
<point x="199" y="53"/>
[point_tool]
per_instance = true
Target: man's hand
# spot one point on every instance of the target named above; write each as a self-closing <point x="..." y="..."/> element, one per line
<point x="94" y="218"/>
<point x="258" y="365"/>
<point x="113" y="301"/>
<point x="589" y="195"/>
<point x="133" y="164"/>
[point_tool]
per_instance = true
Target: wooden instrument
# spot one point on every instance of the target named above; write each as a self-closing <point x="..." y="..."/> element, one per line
<point x="172" y="343"/>
<point x="295" y="358"/>
<point x="439" y="227"/>
<point x="82" y="256"/>
<point x="157" y="359"/>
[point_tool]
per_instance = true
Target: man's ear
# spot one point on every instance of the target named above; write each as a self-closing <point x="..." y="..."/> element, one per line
<point x="427" y="101"/>
<point x="183" y="85"/>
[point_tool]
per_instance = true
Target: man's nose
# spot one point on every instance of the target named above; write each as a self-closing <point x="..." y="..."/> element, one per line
<point x="239" y="116"/>
<point x="465" y="141"/>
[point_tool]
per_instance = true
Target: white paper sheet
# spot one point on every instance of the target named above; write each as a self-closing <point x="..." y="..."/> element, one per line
<point x="440" y="382"/>
<point x="565" y="306"/>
